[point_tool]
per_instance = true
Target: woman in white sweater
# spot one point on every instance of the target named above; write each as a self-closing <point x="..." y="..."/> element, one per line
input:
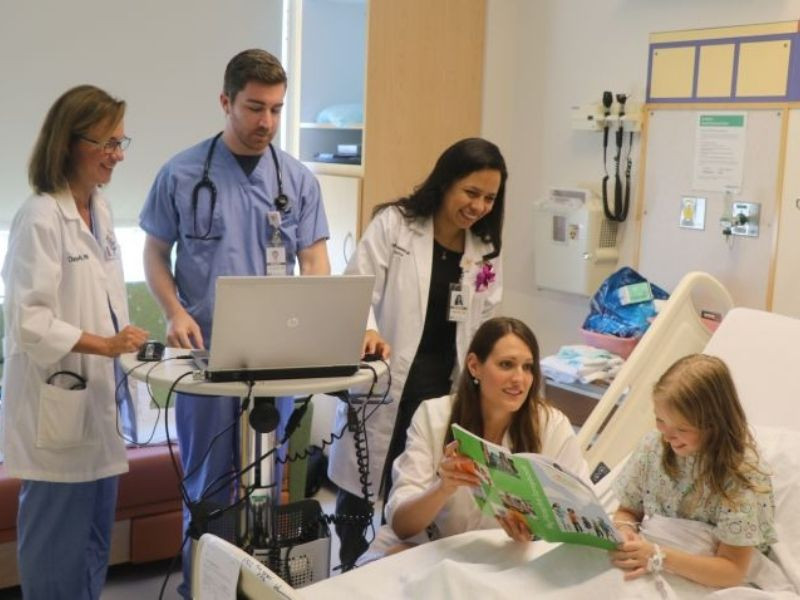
<point x="498" y="398"/>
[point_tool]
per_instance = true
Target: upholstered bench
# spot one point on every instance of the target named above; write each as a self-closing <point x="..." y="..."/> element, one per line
<point x="148" y="519"/>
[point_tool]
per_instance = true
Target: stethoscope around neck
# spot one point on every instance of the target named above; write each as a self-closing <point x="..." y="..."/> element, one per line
<point x="207" y="184"/>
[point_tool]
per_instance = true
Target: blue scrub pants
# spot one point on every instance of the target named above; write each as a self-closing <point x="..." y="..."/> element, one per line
<point x="199" y="419"/>
<point x="64" y="538"/>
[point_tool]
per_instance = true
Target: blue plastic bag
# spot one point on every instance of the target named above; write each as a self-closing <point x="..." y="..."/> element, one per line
<point x="608" y="315"/>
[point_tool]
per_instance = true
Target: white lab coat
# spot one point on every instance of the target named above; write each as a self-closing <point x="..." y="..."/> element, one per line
<point x="59" y="282"/>
<point x="414" y="471"/>
<point x="399" y="253"/>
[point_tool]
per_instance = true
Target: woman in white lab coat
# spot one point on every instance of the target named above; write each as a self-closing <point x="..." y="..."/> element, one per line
<point x="66" y="319"/>
<point x="499" y="399"/>
<point x="436" y="259"/>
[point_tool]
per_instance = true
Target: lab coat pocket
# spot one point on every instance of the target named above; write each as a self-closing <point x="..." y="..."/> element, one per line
<point x="63" y="418"/>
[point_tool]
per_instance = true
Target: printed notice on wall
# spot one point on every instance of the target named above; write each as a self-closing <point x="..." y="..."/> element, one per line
<point x="719" y="151"/>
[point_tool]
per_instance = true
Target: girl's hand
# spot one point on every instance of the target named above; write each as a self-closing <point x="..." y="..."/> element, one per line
<point x="632" y="556"/>
<point x="628" y="534"/>
<point x="456" y="470"/>
<point x="516" y="527"/>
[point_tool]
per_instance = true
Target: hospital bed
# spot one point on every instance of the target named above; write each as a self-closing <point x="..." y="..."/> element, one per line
<point x="624" y="412"/>
<point x="221" y="570"/>
<point x="763" y="352"/>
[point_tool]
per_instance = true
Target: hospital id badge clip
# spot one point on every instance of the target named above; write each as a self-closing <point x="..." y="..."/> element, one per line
<point x="456" y="310"/>
<point x="276" y="251"/>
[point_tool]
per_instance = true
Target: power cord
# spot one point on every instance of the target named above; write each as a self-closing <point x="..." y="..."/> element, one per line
<point x="118" y="400"/>
<point x="184" y="493"/>
<point x="244" y="406"/>
<point x="356" y="421"/>
<point x="171" y="566"/>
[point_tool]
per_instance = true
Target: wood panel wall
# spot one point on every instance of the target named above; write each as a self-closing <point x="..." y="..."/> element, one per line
<point x="424" y="88"/>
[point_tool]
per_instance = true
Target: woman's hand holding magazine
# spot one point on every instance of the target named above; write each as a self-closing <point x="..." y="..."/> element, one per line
<point x="530" y="493"/>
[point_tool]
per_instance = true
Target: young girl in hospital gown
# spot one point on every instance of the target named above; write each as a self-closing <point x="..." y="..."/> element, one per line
<point x="702" y="471"/>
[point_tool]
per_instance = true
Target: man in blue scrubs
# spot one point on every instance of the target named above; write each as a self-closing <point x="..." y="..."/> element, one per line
<point x="251" y="227"/>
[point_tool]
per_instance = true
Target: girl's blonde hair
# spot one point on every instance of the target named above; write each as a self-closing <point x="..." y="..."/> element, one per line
<point x="701" y="390"/>
<point x="76" y="112"/>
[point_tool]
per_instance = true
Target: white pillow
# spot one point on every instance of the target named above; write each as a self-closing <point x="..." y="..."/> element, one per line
<point x="780" y="449"/>
<point x="342" y="115"/>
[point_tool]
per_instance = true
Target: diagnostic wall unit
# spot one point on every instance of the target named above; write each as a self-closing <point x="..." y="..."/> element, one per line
<point x="751" y="71"/>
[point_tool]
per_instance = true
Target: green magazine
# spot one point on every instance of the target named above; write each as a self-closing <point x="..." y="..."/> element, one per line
<point x="556" y="505"/>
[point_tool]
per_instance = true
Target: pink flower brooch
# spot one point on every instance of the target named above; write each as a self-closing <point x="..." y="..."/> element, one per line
<point x="485" y="277"/>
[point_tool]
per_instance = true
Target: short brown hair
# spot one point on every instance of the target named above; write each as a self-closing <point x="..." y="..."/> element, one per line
<point x="252" y="65"/>
<point x="74" y="114"/>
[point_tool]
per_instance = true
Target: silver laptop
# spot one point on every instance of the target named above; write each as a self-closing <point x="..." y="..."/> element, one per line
<point x="286" y="327"/>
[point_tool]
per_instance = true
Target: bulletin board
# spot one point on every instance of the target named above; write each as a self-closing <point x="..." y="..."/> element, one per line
<point x="666" y="250"/>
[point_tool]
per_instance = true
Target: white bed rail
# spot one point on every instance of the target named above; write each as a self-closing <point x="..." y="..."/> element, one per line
<point x="624" y="413"/>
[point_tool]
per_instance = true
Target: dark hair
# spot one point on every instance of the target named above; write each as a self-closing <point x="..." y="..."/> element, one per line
<point x="699" y="387"/>
<point x="457" y="162"/>
<point x="75" y="112"/>
<point x="525" y="429"/>
<point x="252" y="65"/>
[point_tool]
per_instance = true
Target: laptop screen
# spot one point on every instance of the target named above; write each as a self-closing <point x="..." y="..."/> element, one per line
<point x="283" y="327"/>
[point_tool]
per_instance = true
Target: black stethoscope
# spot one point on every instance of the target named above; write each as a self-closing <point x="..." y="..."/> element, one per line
<point x="622" y="195"/>
<point x="281" y="200"/>
<point x="78" y="383"/>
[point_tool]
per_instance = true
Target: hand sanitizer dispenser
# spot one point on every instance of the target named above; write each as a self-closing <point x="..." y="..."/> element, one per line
<point x="575" y="246"/>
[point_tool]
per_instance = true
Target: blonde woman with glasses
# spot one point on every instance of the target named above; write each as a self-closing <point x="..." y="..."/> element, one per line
<point x="66" y="319"/>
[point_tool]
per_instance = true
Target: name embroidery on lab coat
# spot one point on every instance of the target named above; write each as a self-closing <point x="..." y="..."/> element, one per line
<point x="77" y="258"/>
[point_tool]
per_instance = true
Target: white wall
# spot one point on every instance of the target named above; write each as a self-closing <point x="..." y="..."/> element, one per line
<point x="165" y="58"/>
<point x="543" y="56"/>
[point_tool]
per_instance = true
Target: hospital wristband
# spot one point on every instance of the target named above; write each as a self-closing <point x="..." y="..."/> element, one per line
<point x="632" y="524"/>
<point x="655" y="564"/>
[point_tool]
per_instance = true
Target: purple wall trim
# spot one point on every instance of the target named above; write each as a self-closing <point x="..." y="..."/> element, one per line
<point x="712" y="99"/>
<point x="735" y="75"/>
<point x="730" y="40"/>
<point x="696" y="75"/>
<point x="793" y="91"/>
<point x="793" y="83"/>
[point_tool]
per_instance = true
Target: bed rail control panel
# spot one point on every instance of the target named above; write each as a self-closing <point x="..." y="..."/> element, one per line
<point x="600" y="471"/>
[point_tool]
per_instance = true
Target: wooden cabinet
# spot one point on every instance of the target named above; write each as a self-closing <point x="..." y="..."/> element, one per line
<point x="340" y="194"/>
<point x="416" y="69"/>
<point x="424" y="89"/>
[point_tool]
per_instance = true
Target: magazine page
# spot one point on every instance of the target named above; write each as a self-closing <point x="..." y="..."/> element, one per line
<point x="555" y="505"/>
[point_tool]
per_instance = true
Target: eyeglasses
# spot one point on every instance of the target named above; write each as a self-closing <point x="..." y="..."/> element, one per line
<point x="110" y="146"/>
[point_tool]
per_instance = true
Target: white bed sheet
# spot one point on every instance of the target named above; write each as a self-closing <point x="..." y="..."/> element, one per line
<point x="488" y="565"/>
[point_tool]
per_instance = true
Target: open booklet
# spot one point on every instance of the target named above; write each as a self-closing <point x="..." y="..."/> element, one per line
<point x="556" y="505"/>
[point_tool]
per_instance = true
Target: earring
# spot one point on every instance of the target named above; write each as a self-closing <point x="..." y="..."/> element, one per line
<point x="476" y="382"/>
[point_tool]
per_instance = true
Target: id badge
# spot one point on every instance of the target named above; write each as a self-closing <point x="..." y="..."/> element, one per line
<point x="274" y="219"/>
<point x="457" y="309"/>
<point x="110" y="247"/>
<point x="276" y="260"/>
<point x="276" y="251"/>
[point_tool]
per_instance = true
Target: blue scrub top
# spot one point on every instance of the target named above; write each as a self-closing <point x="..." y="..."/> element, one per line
<point x="239" y="220"/>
